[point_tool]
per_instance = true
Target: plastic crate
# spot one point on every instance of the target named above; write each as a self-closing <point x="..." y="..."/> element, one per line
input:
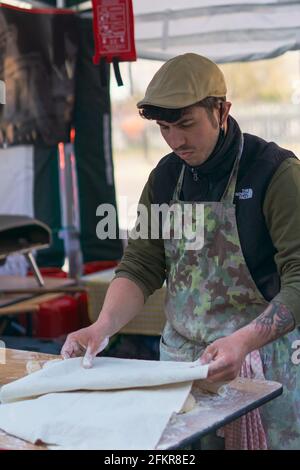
<point x="56" y="318"/>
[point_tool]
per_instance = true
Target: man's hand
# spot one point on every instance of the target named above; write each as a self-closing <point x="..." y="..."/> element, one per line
<point x="225" y="357"/>
<point x="87" y="341"/>
<point x="123" y="301"/>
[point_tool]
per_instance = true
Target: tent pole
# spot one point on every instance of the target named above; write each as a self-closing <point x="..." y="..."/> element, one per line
<point x="70" y="212"/>
<point x="69" y="202"/>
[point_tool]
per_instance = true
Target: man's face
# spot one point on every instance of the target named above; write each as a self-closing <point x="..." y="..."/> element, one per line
<point x="194" y="136"/>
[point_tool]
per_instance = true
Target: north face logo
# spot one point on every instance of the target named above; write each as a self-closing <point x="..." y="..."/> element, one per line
<point x="245" y="194"/>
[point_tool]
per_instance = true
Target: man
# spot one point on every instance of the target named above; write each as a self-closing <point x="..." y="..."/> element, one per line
<point x="236" y="296"/>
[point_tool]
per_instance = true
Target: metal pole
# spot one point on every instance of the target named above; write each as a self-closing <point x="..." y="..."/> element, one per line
<point x="69" y="202"/>
<point x="70" y="212"/>
<point x="30" y="258"/>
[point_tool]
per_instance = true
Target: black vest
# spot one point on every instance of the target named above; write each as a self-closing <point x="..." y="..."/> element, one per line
<point x="259" y="162"/>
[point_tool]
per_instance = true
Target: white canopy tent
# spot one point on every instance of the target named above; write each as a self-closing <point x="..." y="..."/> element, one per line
<point x="224" y="30"/>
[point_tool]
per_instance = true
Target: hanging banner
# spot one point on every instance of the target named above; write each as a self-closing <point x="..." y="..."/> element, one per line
<point x="113" y="33"/>
<point x="38" y="54"/>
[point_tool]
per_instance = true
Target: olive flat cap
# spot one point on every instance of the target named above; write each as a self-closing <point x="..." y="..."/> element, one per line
<point x="184" y="80"/>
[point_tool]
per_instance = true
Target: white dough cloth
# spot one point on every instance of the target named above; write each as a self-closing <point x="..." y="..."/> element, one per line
<point x="128" y="407"/>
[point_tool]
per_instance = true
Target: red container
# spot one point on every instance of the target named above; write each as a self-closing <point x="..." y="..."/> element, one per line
<point x="82" y="304"/>
<point x="88" y="268"/>
<point x="94" y="266"/>
<point x="56" y="317"/>
<point x="67" y="313"/>
<point x="51" y="272"/>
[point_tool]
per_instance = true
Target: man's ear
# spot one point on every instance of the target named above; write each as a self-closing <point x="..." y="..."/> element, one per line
<point x="226" y="105"/>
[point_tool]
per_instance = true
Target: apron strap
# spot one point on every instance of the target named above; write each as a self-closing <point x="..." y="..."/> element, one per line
<point x="178" y="186"/>
<point x="229" y="192"/>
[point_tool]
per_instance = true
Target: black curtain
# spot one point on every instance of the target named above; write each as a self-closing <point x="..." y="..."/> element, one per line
<point x="52" y="84"/>
<point x="47" y="203"/>
<point x="38" y="54"/>
<point x="93" y="159"/>
<point x="93" y="148"/>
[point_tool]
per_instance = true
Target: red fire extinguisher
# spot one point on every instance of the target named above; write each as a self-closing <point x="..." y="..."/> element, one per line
<point x="113" y="25"/>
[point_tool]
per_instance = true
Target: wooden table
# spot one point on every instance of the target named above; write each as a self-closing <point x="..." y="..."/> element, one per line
<point x="29" y="295"/>
<point x="27" y="288"/>
<point x="211" y="412"/>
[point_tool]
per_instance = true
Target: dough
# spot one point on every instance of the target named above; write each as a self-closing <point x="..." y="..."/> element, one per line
<point x="33" y="366"/>
<point x="218" y="388"/>
<point x="115" y="420"/>
<point x="108" y="373"/>
<point x="189" y="404"/>
<point x="129" y="406"/>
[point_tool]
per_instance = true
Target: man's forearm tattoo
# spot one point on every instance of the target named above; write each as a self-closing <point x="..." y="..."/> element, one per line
<point x="275" y="321"/>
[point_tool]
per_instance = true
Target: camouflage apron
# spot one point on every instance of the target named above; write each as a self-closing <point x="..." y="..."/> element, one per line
<point x="211" y="294"/>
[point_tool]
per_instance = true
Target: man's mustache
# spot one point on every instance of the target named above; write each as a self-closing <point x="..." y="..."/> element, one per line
<point x="183" y="149"/>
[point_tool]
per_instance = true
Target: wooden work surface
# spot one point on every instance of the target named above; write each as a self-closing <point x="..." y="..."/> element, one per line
<point x="211" y="412"/>
<point x="12" y="283"/>
<point x="15" y="368"/>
